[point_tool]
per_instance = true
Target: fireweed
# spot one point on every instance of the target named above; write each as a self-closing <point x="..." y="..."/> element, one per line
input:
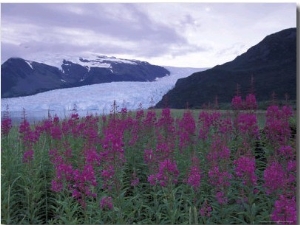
<point x="285" y="210"/>
<point x="219" y="176"/>
<point x="167" y="174"/>
<point x="207" y="120"/>
<point x="275" y="177"/>
<point x="91" y="163"/>
<point x="247" y="126"/>
<point x="237" y="102"/>
<point x="250" y="102"/>
<point x="194" y="175"/>
<point x="187" y="128"/>
<point x="277" y="127"/>
<point x="6" y="123"/>
<point x="245" y="170"/>
<point x="106" y="203"/>
<point x="221" y="181"/>
<point x="205" y="210"/>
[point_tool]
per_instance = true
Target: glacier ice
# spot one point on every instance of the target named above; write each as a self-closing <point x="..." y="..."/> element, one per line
<point x="97" y="98"/>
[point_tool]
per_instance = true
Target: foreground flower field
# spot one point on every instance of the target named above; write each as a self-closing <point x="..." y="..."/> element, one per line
<point x="151" y="167"/>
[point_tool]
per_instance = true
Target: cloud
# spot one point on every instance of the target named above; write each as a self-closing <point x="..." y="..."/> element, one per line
<point x="107" y="25"/>
<point x="141" y="30"/>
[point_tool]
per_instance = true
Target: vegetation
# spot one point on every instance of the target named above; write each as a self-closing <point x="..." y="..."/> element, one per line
<point x="188" y="167"/>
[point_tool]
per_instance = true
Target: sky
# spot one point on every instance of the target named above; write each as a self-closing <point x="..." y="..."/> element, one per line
<point x="195" y="34"/>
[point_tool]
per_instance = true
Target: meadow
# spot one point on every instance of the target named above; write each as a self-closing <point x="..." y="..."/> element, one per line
<point x="152" y="167"/>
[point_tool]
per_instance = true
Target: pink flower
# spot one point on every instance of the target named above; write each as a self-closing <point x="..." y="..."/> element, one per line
<point x="56" y="185"/>
<point x="148" y="156"/>
<point x="274" y="176"/>
<point x="135" y="180"/>
<point x="237" y="102"/>
<point x="205" y="210"/>
<point x="285" y="211"/>
<point x="28" y="156"/>
<point x="152" y="179"/>
<point x="106" y="203"/>
<point x="56" y="132"/>
<point x="251" y="101"/>
<point x="247" y="124"/>
<point x="277" y="124"/>
<point x="245" y="168"/>
<point x="287" y="152"/>
<point x="194" y="177"/>
<point x="167" y="172"/>
<point x="187" y="128"/>
<point x="107" y="176"/>
<point x="219" y="178"/>
<point x="6" y="125"/>
<point x="221" y="198"/>
<point x="140" y="114"/>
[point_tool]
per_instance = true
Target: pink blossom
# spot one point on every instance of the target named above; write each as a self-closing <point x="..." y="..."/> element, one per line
<point x="56" y="132"/>
<point x="219" y="178"/>
<point x="277" y="124"/>
<point x="247" y="124"/>
<point x="251" y="101"/>
<point x="194" y="177"/>
<point x="285" y="210"/>
<point x="167" y="173"/>
<point x="28" y="156"/>
<point x="221" y="198"/>
<point x="205" y="210"/>
<point x="274" y="176"/>
<point x="152" y="179"/>
<point x="287" y="152"/>
<point x="218" y="151"/>
<point x="135" y="180"/>
<point x="237" y="102"/>
<point x="107" y="176"/>
<point x="140" y="114"/>
<point x="150" y="119"/>
<point x="56" y="185"/>
<point x="106" y="203"/>
<point x="6" y="125"/>
<point x="148" y="156"/>
<point x="225" y="126"/>
<point x="245" y="168"/>
<point x="187" y="128"/>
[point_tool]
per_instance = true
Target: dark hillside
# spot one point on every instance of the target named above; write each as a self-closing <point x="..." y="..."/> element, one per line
<point x="271" y="63"/>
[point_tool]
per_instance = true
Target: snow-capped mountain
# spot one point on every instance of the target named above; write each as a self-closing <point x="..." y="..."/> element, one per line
<point x="23" y="77"/>
<point x="96" y="98"/>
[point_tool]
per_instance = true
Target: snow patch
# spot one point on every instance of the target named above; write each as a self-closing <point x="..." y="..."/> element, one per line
<point x="29" y="63"/>
<point x="87" y="60"/>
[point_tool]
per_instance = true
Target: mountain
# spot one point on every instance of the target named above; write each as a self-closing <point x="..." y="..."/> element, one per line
<point x="271" y="63"/>
<point x="20" y="77"/>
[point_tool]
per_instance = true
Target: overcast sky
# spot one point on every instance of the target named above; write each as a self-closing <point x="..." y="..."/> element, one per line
<point x="171" y="34"/>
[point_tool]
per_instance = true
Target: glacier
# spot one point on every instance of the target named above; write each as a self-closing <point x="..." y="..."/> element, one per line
<point x="95" y="99"/>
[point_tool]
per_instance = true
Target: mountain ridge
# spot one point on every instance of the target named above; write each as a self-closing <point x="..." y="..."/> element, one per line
<point x="271" y="63"/>
<point x="22" y="77"/>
